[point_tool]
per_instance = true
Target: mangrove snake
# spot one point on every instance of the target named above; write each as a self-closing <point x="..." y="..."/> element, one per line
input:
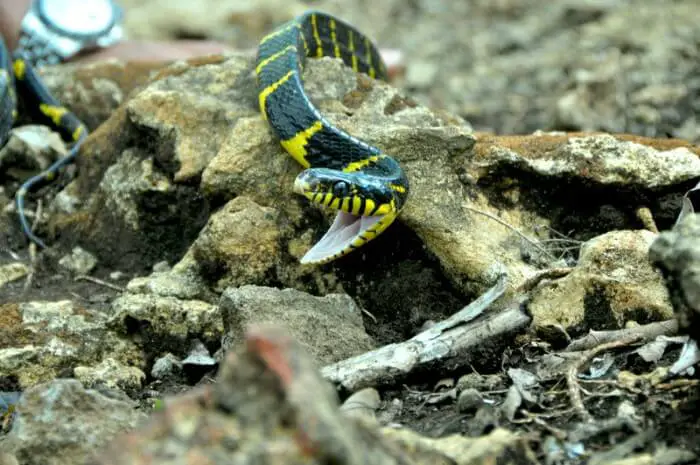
<point x="19" y="79"/>
<point x="366" y="187"/>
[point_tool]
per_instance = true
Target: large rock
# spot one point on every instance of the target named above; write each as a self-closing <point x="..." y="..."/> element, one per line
<point x="677" y="254"/>
<point x="613" y="283"/>
<point x="270" y="406"/>
<point x="329" y="328"/>
<point x="164" y="323"/>
<point x="479" y="205"/>
<point x="61" y="423"/>
<point x="39" y="340"/>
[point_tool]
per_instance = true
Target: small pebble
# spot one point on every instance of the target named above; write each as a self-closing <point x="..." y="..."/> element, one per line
<point x="79" y="261"/>
<point x="362" y="403"/>
<point x="161" y="267"/>
<point x="117" y="275"/>
<point x="12" y="272"/>
<point x="198" y="356"/>
<point x="469" y="401"/>
<point x="393" y="410"/>
<point x="166" y="366"/>
<point x="110" y="374"/>
<point x="481" y="382"/>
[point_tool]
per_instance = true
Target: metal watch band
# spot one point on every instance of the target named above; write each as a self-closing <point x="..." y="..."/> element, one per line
<point x="36" y="50"/>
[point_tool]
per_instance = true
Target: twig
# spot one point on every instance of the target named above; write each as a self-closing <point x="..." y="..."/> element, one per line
<point x="533" y="242"/>
<point x="572" y="373"/>
<point x="32" y="251"/>
<point x="14" y="255"/>
<point x="680" y="383"/>
<point x="32" y="268"/>
<point x="465" y="315"/>
<point x="555" y="232"/>
<point x="645" y="216"/>
<point x="369" y="315"/>
<point x="537" y="418"/>
<point x="644" y="332"/>
<point x="92" y="279"/>
<point x="451" y="343"/>
<point x="564" y="240"/>
<point x="551" y="273"/>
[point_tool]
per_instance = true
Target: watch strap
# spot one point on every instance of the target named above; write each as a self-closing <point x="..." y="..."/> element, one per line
<point x="35" y="49"/>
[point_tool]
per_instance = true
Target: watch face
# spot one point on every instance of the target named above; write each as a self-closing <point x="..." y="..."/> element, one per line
<point x="78" y="17"/>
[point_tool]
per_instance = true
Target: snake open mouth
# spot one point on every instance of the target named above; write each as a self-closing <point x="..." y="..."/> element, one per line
<point x="346" y="228"/>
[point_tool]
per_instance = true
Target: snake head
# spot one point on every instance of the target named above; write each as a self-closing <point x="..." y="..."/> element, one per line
<point x="366" y="205"/>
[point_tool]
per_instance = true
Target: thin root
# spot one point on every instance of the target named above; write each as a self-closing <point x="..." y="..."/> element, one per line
<point x="572" y="374"/>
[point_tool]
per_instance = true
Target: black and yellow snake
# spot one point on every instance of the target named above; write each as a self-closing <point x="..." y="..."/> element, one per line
<point x="19" y="79"/>
<point x="367" y="187"/>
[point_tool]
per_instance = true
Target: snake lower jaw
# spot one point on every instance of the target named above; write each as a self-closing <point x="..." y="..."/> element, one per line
<point x="347" y="233"/>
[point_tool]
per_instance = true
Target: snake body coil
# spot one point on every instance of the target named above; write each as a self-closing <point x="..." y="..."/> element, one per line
<point x="365" y="186"/>
<point x="18" y="79"/>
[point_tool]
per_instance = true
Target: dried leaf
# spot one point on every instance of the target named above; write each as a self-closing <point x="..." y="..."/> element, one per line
<point x="512" y="403"/>
<point x="690" y="199"/>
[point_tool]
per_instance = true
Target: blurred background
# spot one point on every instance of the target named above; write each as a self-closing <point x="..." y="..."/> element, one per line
<point x="507" y="66"/>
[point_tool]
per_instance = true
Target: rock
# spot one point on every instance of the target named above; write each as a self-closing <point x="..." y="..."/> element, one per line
<point x="198" y="356"/>
<point x="505" y="185"/>
<point x="79" y="262"/>
<point x="392" y="410"/>
<point x="166" y="366"/>
<point x="182" y="281"/>
<point x="246" y="163"/>
<point x="8" y="459"/>
<point x="172" y="323"/>
<point x="481" y="382"/>
<point x="110" y="374"/>
<point x="612" y="283"/>
<point x="469" y="400"/>
<point x="239" y="244"/>
<point x="134" y="199"/>
<point x="198" y="362"/>
<point x="134" y="196"/>
<point x="364" y="402"/>
<point x="42" y="339"/>
<point x="269" y="405"/>
<point x="94" y="90"/>
<point x="61" y="423"/>
<point x="12" y="272"/>
<point x="186" y="109"/>
<point x="603" y="159"/>
<point x="330" y="328"/>
<point x="161" y="267"/>
<point x="31" y="147"/>
<point x="677" y="254"/>
<point x="117" y="275"/>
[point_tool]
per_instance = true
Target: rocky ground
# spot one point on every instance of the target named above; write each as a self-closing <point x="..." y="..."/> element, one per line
<point x="512" y="315"/>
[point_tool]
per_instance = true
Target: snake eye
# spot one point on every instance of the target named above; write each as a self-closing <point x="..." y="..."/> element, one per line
<point x="340" y="189"/>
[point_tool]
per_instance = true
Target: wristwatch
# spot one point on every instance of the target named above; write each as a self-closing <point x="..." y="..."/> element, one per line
<point x="55" y="30"/>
